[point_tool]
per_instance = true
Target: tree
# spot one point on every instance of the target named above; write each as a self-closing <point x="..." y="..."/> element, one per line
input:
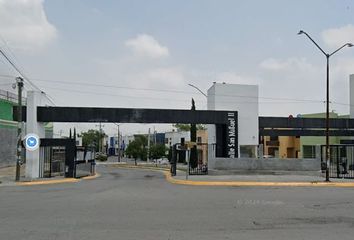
<point x="91" y="138"/>
<point x="193" y="160"/>
<point x="182" y="127"/>
<point x="187" y="127"/>
<point x="157" y="151"/>
<point x="137" y="148"/>
<point x="133" y="150"/>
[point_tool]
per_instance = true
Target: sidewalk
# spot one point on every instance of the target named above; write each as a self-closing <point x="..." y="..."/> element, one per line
<point x="7" y="178"/>
<point x="7" y="175"/>
<point x="257" y="178"/>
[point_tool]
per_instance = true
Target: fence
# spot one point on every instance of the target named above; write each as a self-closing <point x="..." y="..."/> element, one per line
<point x="341" y="162"/>
<point x="11" y="97"/>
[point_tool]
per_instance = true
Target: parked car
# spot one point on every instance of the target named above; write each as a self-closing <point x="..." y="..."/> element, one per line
<point x="101" y="156"/>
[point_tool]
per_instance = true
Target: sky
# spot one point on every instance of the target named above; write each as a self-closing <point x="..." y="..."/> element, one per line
<point x="143" y="54"/>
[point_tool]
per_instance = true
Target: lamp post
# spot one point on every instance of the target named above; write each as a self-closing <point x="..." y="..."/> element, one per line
<point x="19" y="81"/>
<point x="198" y="89"/>
<point x="327" y="55"/>
<point x="118" y="145"/>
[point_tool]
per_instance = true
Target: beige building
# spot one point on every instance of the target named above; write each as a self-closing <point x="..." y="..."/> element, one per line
<point x="282" y="146"/>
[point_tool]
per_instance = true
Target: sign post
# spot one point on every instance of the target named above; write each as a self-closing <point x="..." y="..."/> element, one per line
<point x="232" y="142"/>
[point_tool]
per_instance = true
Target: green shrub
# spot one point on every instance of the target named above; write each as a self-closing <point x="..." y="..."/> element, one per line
<point x="101" y="157"/>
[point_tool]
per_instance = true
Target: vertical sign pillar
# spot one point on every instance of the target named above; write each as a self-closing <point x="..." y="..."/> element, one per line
<point x="34" y="99"/>
<point x="232" y="135"/>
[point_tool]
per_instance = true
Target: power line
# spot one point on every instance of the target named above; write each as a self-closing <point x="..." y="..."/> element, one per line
<point x="18" y="70"/>
<point x="115" y="95"/>
<point x="111" y="86"/>
<point x="168" y="90"/>
<point x="289" y="100"/>
<point x="23" y="75"/>
<point x="165" y="99"/>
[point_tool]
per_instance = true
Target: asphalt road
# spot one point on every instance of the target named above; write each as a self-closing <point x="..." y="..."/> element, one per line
<point x="140" y="204"/>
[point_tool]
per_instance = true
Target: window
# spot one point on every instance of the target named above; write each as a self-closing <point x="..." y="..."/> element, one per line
<point x="199" y="139"/>
<point x="309" y="151"/>
<point x="274" y="138"/>
<point x="248" y="151"/>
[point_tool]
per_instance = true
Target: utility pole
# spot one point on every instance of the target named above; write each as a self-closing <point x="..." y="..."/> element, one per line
<point x="19" y="82"/>
<point x="154" y="136"/>
<point x="118" y="143"/>
<point x="100" y="145"/>
<point x="148" y="158"/>
<point x="155" y="143"/>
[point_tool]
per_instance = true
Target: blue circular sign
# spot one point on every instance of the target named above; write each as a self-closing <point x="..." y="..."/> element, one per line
<point x="32" y="142"/>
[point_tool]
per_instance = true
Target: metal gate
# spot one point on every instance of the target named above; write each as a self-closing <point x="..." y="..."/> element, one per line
<point x="57" y="157"/>
<point x="52" y="161"/>
<point x="202" y="161"/>
<point x="341" y="160"/>
<point x="202" y="165"/>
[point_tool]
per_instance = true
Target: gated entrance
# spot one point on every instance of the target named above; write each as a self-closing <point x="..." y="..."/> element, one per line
<point x="225" y="122"/>
<point x="341" y="161"/>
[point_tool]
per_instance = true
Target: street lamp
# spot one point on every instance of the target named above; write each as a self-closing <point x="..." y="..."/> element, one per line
<point x="197" y="89"/>
<point x="328" y="55"/>
<point x="118" y="148"/>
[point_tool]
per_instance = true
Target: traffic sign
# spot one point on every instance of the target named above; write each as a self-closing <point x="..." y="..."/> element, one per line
<point x="32" y="142"/>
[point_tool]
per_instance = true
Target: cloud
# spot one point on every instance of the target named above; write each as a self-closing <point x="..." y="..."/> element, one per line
<point x="272" y="64"/>
<point x="146" y="45"/>
<point x="165" y="77"/>
<point x="336" y="37"/>
<point x="24" y="24"/>
<point x="234" y="78"/>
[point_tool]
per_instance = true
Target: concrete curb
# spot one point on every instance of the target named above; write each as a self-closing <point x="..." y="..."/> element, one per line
<point x="170" y="179"/>
<point x="91" y="177"/>
<point x="46" y="182"/>
<point x="57" y="181"/>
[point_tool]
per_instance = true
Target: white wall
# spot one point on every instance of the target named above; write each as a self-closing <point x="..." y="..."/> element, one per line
<point x="175" y="137"/>
<point x="240" y="98"/>
<point x="351" y="95"/>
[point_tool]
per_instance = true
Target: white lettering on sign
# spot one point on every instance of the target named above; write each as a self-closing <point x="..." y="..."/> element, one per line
<point x="231" y="135"/>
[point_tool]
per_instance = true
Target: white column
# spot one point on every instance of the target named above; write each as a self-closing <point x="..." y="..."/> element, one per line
<point x="34" y="99"/>
<point x="351" y="95"/>
<point x="211" y="130"/>
<point x="244" y="100"/>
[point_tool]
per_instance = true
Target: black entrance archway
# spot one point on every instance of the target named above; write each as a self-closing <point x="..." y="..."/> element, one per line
<point x="225" y="121"/>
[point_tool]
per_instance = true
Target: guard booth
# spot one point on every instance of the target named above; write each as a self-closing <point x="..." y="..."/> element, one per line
<point x="62" y="158"/>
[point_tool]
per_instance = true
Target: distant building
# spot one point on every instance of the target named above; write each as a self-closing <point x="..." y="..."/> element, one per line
<point x="300" y="147"/>
<point x="179" y="137"/>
